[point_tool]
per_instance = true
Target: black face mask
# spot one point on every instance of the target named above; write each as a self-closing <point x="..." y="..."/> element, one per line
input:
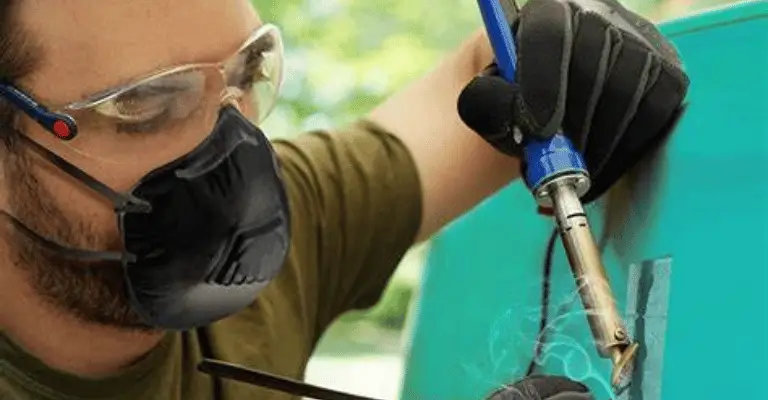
<point x="203" y="234"/>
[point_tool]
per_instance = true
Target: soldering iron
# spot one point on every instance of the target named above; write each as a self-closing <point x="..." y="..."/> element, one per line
<point x="558" y="177"/>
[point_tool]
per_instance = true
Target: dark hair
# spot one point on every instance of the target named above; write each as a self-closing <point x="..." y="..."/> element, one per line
<point x="18" y="56"/>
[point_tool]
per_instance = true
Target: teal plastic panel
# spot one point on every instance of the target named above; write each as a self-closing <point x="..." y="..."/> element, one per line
<point x="697" y="224"/>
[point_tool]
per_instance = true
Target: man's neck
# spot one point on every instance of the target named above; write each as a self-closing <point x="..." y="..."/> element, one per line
<point x="64" y="343"/>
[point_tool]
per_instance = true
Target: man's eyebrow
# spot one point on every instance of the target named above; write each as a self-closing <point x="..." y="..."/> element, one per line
<point x="154" y="90"/>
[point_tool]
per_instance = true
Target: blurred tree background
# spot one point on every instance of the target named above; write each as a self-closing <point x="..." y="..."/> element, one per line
<point x="342" y="58"/>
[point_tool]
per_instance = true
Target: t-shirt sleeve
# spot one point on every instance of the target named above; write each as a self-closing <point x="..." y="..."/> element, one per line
<point x="355" y="203"/>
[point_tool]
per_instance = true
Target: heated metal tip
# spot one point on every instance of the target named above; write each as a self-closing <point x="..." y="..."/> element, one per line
<point x="623" y="365"/>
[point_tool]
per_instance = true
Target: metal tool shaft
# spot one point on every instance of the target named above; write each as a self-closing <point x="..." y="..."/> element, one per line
<point x="587" y="267"/>
<point x="610" y="336"/>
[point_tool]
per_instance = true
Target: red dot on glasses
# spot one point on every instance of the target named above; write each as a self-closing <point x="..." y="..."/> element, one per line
<point x="61" y="129"/>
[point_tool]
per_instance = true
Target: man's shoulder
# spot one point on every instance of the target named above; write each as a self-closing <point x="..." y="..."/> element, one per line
<point x="319" y="139"/>
<point x="355" y="202"/>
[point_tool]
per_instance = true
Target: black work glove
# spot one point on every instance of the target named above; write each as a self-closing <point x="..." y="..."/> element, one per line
<point x="537" y="387"/>
<point x="601" y="73"/>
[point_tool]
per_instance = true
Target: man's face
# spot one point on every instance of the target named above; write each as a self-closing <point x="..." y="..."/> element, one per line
<point x="87" y="47"/>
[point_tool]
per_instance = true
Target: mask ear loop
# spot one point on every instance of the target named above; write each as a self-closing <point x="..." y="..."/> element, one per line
<point x="122" y="203"/>
<point x="70" y="253"/>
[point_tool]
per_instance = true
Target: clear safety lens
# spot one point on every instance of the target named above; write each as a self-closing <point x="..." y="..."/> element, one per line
<point x="168" y="114"/>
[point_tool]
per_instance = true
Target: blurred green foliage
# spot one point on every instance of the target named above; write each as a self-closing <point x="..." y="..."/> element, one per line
<point x="343" y="57"/>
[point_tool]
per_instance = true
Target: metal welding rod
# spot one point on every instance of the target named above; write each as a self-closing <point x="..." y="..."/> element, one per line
<point x="558" y="177"/>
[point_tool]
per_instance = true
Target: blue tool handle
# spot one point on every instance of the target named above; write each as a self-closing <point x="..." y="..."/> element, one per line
<point x="500" y="36"/>
<point x="545" y="159"/>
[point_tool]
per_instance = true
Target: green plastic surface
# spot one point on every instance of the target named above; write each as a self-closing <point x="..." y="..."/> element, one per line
<point x="705" y="206"/>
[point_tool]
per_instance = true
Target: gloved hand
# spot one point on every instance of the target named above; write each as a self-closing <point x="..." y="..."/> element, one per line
<point x="537" y="387"/>
<point x="601" y="73"/>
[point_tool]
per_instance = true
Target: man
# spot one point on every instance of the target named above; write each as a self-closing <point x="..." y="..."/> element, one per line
<point x="132" y="111"/>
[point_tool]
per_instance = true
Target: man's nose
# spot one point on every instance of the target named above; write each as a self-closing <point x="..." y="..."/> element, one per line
<point x="232" y="96"/>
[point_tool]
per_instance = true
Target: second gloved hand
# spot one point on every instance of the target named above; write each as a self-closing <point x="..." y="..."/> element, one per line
<point x="599" y="72"/>
<point x="538" y="387"/>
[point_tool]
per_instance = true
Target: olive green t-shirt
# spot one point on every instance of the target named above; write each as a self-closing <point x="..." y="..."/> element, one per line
<point x="355" y="204"/>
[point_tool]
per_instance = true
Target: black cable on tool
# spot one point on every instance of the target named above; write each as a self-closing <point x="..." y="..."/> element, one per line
<point x="545" y="293"/>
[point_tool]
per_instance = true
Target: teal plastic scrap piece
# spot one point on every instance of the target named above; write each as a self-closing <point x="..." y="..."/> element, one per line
<point x="703" y="208"/>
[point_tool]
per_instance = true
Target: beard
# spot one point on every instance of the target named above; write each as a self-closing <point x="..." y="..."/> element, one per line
<point x="92" y="291"/>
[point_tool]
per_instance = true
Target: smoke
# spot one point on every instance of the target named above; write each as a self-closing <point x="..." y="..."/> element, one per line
<point x="566" y="348"/>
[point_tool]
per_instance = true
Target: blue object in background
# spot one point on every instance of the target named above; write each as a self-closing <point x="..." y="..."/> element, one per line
<point x="698" y="221"/>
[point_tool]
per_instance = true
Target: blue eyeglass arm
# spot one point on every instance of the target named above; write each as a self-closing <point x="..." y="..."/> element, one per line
<point x="60" y="125"/>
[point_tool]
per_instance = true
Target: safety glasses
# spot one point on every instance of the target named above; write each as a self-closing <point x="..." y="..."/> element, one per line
<point x="168" y="112"/>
